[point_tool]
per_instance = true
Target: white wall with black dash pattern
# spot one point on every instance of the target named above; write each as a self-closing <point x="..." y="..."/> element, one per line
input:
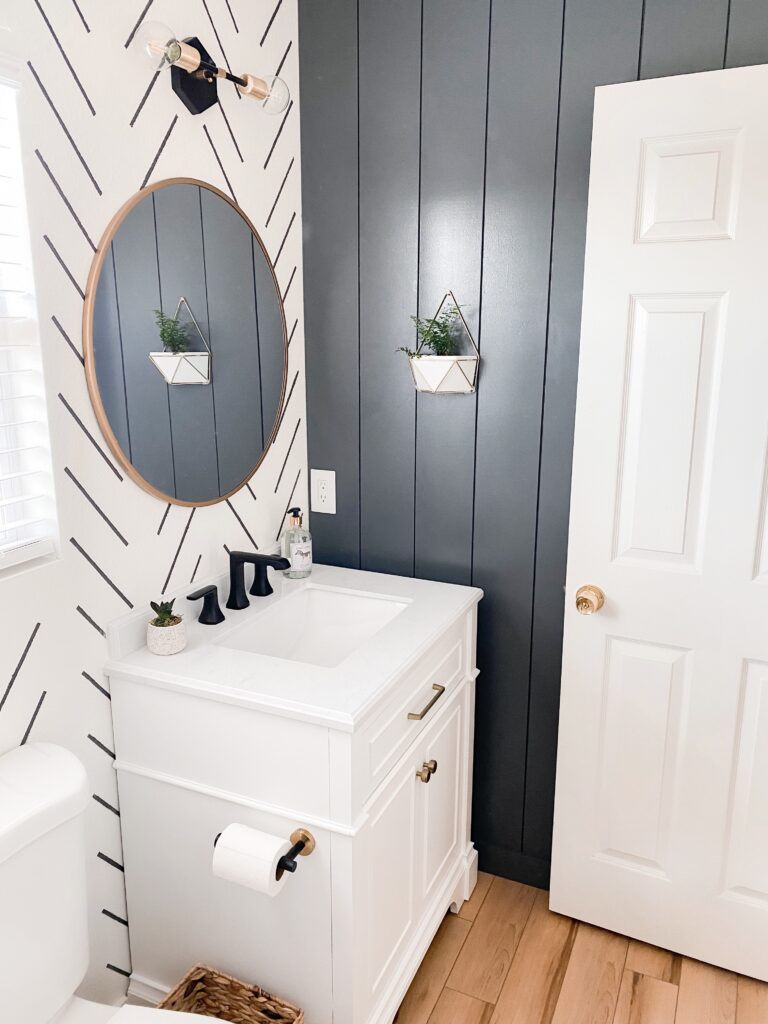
<point x="96" y="127"/>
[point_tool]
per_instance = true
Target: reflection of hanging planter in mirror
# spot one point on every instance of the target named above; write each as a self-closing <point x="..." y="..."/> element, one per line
<point x="176" y="363"/>
<point x="446" y="359"/>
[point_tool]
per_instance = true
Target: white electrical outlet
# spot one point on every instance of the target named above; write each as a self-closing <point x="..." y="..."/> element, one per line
<point x="323" y="490"/>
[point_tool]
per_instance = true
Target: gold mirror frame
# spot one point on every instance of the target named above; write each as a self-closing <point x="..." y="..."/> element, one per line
<point x="90" y="367"/>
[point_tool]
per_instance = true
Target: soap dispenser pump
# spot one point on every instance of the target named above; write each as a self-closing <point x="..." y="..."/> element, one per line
<point x="297" y="546"/>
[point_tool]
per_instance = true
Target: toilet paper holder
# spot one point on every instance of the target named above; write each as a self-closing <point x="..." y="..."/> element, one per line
<point x="303" y="844"/>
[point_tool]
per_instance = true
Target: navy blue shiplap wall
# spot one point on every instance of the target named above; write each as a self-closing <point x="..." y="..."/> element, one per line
<point x="445" y="144"/>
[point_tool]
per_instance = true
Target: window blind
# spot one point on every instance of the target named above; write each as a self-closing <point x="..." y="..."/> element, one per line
<point x="27" y="506"/>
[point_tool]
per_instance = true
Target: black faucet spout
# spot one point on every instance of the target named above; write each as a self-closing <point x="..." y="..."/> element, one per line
<point x="261" y="586"/>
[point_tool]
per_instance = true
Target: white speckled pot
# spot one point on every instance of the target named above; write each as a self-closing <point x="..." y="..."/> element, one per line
<point x="166" y="639"/>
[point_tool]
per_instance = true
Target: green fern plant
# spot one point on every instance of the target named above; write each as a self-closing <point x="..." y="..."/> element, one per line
<point x="173" y="334"/>
<point x="434" y="333"/>
<point x="164" y="615"/>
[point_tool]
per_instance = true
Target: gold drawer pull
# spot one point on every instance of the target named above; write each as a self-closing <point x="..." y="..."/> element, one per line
<point x="416" y="716"/>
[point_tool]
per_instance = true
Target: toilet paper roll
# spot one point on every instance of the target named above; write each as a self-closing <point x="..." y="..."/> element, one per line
<point x="249" y="857"/>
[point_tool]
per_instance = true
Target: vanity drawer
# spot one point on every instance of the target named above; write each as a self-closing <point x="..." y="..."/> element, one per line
<point x="417" y="699"/>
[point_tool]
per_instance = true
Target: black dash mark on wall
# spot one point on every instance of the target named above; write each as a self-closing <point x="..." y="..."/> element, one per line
<point x="221" y="45"/>
<point x="162" y="146"/>
<point x="279" y="133"/>
<point x="194" y="571"/>
<point x="89" y="435"/>
<point x="135" y="28"/>
<point x="285" y="238"/>
<point x="288" y="505"/>
<point x="229" y="8"/>
<point x="283" y="59"/>
<point x="93" y="622"/>
<point x="229" y="129"/>
<point x="64" y="267"/>
<point x="114" y="917"/>
<point x="100" y="571"/>
<point x="285" y="405"/>
<point x="35" y="713"/>
<point x="105" y="803"/>
<point x="19" y="664"/>
<point x="218" y="161"/>
<point x="144" y="98"/>
<point x="279" y="192"/>
<point x="162" y="521"/>
<point x="118" y="970"/>
<point x="293" y="331"/>
<point x="101" y="746"/>
<point x="178" y="550"/>
<point x="102" y="689"/>
<point x="64" y="199"/>
<point x="66" y="59"/>
<point x="67" y="338"/>
<point x="64" y="128"/>
<point x="250" y="491"/>
<point x="86" y="26"/>
<point x="246" y="531"/>
<point x="110" y="861"/>
<point x="287" y="455"/>
<point x="95" y="505"/>
<point x="270" y="22"/>
<point x="288" y="286"/>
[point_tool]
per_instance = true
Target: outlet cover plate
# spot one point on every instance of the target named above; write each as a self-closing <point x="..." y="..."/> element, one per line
<point x="322" y="485"/>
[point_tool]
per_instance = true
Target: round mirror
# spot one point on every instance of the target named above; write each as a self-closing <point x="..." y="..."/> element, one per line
<point x="185" y="342"/>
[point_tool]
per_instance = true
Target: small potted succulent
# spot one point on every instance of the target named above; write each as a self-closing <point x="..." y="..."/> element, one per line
<point x="166" y="633"/>
<point x="437" y="366"/>
<point x="176" y="363"/>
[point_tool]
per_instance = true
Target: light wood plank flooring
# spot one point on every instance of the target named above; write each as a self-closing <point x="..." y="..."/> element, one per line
<point x="506" y="959"/>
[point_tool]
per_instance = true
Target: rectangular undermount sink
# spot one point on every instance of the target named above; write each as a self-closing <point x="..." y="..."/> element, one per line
<point x="316" y="625"/>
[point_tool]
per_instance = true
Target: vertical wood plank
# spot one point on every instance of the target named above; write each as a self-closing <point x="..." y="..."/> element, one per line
<point x="271" y="341"/>
<point x="747" y="33"/>
<point x="600" y="46"/>
<point x="590" y="987"/>
<point x="180" y="259"/>
<point x="532" y="987"/>
<point x="138" y="294"/>
<point x="707" y="995"/>
<point x="645" y="1000"/>
<point x="431" y="976"/>
<point x="234" y="340"/>
<point x="108" y="354"/>
<point x="683" y="36"/>
<point x="390" y="52"/>
<point x="454" y="93"/>
<point x="524" y="64"/>
<point x="487" y="954"/>
<point x="328" y="55"/>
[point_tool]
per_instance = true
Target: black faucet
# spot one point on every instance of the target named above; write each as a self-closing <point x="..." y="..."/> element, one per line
<point x="261" y="585"/>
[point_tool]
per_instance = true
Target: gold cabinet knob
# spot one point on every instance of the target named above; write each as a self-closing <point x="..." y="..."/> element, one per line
<point x="589" y="599"/>
<point x="432" y="765"/>
<point x="426" y="771"/>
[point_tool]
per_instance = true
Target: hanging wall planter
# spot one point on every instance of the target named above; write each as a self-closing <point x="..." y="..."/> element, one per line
<point x="446" y="359"/>
<point x="175" y="363"/>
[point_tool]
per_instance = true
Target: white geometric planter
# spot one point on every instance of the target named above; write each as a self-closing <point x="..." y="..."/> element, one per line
<point x="166" y="640"/>
<point x="183" y="367"/>
<point x="445" y="375"/>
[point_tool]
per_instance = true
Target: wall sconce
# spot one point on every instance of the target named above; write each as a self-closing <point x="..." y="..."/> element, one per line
<point x="194" y="75"/>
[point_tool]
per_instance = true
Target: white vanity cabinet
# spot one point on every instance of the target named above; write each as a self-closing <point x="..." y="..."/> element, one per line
<point x="373" y="755"/>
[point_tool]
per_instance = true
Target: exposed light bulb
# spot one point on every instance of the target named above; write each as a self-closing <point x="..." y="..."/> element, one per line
<point x="279" y="96"/>
<point x="158" y="44"/>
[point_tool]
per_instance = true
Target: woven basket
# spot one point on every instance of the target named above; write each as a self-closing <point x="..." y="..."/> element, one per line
<point x="210" y="993"/>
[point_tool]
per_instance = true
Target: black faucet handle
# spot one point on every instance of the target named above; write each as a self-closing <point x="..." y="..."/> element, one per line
<point x="211" y="613"/>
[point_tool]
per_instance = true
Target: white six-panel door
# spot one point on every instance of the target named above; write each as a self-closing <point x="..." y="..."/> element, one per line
<point x="661" y="819"/>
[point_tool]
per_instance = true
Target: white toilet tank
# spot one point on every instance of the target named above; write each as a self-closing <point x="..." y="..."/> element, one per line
<point x="43" y="923"/>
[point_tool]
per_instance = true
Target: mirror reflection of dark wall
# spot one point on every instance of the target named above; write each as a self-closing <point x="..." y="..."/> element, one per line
<point x="193" y="441"/>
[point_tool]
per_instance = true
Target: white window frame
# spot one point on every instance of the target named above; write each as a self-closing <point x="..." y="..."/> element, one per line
<point x="27" y="495"/>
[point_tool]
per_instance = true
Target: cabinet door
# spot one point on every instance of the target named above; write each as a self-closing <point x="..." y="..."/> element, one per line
<point x="392" y="878"/>
<point x="439" y="800"/>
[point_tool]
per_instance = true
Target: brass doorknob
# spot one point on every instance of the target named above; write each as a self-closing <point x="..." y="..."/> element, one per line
<point x="589" y="599"/>
<point x="426" y="771"/>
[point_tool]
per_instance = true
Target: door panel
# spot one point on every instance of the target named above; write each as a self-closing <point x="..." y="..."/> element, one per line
<point x="441" y="800"/>
<point x="661" y="817"/>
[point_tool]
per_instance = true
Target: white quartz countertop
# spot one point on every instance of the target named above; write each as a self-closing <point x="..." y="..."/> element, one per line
<point x="340" y="695"/>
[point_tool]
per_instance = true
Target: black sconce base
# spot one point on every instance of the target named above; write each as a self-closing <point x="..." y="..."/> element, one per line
<point x="195" y="91"/>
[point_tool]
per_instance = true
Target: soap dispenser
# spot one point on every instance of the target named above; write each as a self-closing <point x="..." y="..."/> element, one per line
<point x="297" y="546"/>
